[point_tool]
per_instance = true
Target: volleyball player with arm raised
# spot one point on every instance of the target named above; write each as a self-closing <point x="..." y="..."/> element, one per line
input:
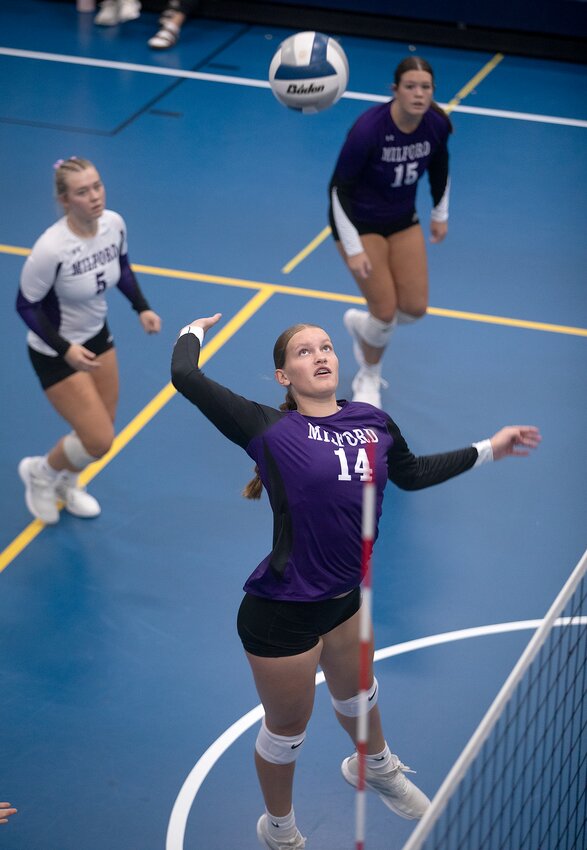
<point x="62" y="299"/>
<point x="373" y="213"/>
<point x="302" y="603"/>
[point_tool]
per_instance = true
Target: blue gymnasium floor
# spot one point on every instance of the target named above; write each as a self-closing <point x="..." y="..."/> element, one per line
<point x="120" y="664"/>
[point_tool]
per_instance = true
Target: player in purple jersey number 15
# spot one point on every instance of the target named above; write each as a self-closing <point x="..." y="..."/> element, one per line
<point x="62" y="300"/>
<point x="302" y="603"/>
<point x="373" y="213"/>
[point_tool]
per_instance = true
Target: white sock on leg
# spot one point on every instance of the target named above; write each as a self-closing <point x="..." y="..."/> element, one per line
<point x="281" y="828"/>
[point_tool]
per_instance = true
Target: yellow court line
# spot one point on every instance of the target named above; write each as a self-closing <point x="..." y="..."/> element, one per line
<point x="13" y="249"/>
<point x="503" y="320"/>
<point x="301" y="292"/>
<point x="143" y="418"/>
<point x="19" y="543"/>
<point x="339" y="297"/>
<point x="318" y="240"/>
<point x="474" y="81"/>
<point x="461" y="95"/>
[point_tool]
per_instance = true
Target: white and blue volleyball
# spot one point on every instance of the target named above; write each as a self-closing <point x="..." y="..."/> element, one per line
<point x="309" y="72"/>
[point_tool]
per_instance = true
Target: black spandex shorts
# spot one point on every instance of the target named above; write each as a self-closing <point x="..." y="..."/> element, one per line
<point x="51" y="370"/>
<point x="382" y="228"/>
<point x="273" y="629"/>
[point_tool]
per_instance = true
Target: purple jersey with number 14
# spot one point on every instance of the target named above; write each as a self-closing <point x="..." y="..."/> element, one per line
<point x="313" y="469"/>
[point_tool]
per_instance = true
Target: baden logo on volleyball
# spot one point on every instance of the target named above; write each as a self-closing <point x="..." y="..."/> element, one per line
<point x="309" y="72"/>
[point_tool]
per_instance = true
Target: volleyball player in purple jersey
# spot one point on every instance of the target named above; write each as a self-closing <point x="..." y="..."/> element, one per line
<point x="301" y="604"/>
<point x="62" y="299"/>
<point x="373" y="213"/>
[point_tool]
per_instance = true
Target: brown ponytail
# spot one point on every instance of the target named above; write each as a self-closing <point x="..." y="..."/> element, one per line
<point x="254" y="488"/>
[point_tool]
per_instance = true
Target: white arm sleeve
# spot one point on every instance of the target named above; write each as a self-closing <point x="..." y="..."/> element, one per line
<point x="196" y="330"/>
<point x="484" y="452"/>
<point x="349" y="235"/>
<point x="440" y="211"/>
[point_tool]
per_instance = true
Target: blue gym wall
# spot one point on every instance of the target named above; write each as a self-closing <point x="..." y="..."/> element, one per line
<point x="561" y="17"/>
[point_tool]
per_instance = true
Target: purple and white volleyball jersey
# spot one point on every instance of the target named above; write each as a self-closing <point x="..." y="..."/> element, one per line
<point x="64" y="281"/>
<point x="379" y="166"/>
<point x="313" y="469"/>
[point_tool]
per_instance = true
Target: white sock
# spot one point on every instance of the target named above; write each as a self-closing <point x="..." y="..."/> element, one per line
<point x="47" y="470"/>
<point x="375" y="332"/>
<point x="372" y="368"/>
<point x="281" y="828"/>
<point x="69" y="477"/>
<point x="380" y="761"/>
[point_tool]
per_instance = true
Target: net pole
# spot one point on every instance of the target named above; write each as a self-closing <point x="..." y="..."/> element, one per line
<point x="367" y="539"/>
<point x="416" y="840"/>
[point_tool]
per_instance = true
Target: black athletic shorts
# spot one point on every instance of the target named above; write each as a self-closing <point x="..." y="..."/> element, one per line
<point x="51" y="370"/>
<point x="273" y="629"/>
<point x="382" y="228"/>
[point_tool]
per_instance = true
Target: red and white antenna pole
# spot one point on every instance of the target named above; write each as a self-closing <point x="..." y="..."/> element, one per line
<point x="368" y="535"/>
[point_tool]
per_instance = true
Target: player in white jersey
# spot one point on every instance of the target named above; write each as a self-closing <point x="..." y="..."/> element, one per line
<point x="62" y="299"/>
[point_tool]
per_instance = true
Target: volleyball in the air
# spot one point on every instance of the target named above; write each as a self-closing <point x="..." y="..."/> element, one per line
<point x="309" y="72"/>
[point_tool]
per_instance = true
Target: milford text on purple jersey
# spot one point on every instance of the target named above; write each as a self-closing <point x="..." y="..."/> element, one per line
<point x="350" y="438"/>
<point x="402" y="153"/>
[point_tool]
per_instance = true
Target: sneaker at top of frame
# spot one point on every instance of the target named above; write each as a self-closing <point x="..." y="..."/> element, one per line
<point x="167" y="36"/>
<point x="295" y="843"/>
<point x="398" y="793"/>
<point x="107" y="14"/>
<point x="128" y="10"/>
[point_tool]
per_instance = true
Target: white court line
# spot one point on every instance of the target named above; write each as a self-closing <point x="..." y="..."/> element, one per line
<point x="185" y="799"/>
<point x="264" y="84"/>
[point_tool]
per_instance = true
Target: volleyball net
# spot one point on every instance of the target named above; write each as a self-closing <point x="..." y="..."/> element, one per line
<point x="521" y="781"/>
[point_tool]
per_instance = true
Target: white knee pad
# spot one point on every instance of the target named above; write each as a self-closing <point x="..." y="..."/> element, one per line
<point x="376" y="332"/>
<point x="351" y="707"/>
<point x="74" y="451"/>
<point x="406" y="318"/>
<point x="278" y="749"/>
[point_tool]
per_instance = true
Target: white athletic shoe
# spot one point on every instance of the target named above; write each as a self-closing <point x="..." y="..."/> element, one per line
<point x="295" y="843"/>
<point x="40" y="495"/>
<point x="128" y="10"/>
<point x="75" y="499"/>
<point x="352" y="321"/>
<point x="398" y="793"/>
<point x="167" y="36"/>
<point x="368" y="382"/>
<point x="114" y="12"/>
<point x="367" y="385"/>
<point x="107" y="14"/>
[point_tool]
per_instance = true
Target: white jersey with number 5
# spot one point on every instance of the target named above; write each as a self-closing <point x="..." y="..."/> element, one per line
<point x="71" y="275"/>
